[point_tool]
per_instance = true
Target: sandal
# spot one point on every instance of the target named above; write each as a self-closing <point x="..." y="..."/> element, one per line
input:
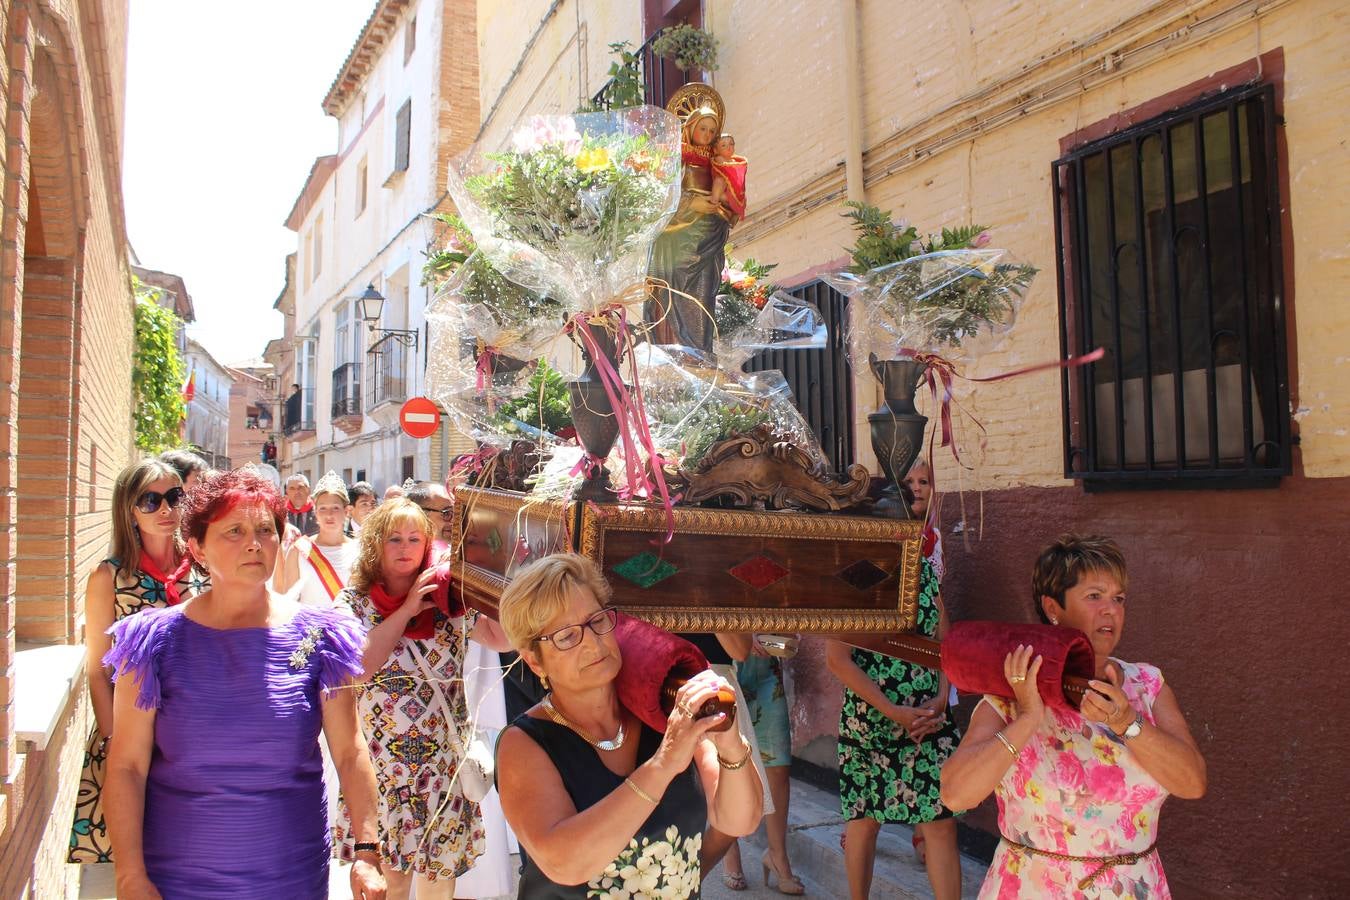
<point x="787" y="884"/>
<point x="735" y="881"/>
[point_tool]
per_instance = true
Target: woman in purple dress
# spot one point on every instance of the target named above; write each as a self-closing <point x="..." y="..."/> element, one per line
<point x="214" y="786"/>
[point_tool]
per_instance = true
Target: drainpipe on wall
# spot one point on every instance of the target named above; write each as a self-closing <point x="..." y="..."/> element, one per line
<point x="853" y="149"/>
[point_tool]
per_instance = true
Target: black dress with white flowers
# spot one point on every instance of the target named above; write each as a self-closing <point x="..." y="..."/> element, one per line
<point x="883" y="775"/>
<point x="661" y="860"/>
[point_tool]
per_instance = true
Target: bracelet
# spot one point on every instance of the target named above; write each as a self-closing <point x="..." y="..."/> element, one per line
<point x="640" y="792"/>
<point x="365" y="847"/>
<point x="1007" y="743"/>
<point x="730" y="766"/>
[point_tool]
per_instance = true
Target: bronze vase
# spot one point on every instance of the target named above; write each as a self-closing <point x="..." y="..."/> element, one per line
<point x="897" y="427"/>
<point x="592" y="412"/>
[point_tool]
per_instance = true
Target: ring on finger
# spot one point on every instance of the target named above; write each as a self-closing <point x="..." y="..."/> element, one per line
<point x="1017" y="679"/>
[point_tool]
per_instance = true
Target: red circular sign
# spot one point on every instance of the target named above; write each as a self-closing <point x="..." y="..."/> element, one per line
<point x="419" y="418"/>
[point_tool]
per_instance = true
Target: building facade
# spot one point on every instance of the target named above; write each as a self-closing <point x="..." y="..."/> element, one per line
<point x="1175" y="172"/>
<point x="207" y="428"/>
<point x="253" y="392"/>
<point x="406" y="102"/>
<point x="66" y="342"/>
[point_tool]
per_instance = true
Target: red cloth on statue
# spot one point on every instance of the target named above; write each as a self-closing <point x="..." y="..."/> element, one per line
<point x="732" y="174"/>
<point x="973" y="654"/>
<point x="650" y="656"/>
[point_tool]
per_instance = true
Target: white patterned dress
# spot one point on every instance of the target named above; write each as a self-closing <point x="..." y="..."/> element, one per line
<point x="427" y="827"/>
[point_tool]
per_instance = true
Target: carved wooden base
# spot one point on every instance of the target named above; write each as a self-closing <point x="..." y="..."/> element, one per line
<point x="760" y="470"/>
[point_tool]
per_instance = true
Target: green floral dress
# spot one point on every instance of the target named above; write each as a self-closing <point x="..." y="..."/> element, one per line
<point x="883" y="775"/>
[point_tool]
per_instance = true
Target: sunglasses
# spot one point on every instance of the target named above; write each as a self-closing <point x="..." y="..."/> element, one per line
<point x="445" y="514"/>
<point x="569" y="636"/>
<point x="149" y="501"/>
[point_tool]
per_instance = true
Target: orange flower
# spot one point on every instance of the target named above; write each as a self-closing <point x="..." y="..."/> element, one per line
<point x="644" y="161"/>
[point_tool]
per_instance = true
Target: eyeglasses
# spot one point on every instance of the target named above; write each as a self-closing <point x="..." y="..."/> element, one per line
<point x="569" y="636"/>
<point x="149" y="501"/>
<point x="443" y="513"/>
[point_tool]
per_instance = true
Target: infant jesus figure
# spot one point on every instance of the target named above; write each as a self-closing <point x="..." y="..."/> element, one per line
<point x="728" y="188"/>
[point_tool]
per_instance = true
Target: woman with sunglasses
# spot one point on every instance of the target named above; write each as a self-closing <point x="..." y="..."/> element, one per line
<point x="149" y="567"/>
<point x="412" y="706"/>
<point x="603" y="805"/>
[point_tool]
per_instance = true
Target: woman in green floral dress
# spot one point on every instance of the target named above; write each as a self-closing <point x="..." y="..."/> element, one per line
<point x="894" y="736"/>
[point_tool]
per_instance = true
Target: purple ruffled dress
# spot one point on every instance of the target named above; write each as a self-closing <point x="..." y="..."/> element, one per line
<point x="234" y="800"/>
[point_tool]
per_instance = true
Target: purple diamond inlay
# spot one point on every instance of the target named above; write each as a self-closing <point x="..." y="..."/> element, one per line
<point x="863" y="575"/>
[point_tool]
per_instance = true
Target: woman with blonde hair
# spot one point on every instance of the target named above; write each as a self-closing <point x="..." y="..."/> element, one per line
<point x="148" y="567"/>
<point x="603" y="805"/>
<point x="412" y="704"/>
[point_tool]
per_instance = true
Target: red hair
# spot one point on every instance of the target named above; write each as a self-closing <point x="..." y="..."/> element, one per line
<point x="215" y="496"/>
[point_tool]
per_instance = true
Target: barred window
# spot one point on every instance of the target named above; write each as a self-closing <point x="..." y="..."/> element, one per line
<point x="821" y="380"/>
<point x="1169" y="257"/>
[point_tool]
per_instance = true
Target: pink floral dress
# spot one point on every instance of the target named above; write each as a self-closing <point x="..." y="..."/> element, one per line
<point x="1076" y="789"/>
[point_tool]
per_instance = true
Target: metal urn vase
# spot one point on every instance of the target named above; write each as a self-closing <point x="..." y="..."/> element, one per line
<point x="593" y="414"/>
<point x="897" y="427"/>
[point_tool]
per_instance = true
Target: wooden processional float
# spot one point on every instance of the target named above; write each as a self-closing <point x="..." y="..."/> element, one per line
<point x="836" y="573"/>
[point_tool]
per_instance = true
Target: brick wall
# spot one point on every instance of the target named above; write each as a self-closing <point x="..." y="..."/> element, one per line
<point x="65" y="384"/>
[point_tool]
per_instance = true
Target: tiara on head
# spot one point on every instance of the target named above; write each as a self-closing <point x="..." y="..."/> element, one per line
<point x="330" y="483"/>
<point x="408" y="485"/>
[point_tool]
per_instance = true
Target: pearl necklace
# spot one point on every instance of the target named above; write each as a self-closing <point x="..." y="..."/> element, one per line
<point x="606" y="746"/>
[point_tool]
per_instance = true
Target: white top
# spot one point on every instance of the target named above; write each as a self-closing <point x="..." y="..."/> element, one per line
<point x="342" y="557"/>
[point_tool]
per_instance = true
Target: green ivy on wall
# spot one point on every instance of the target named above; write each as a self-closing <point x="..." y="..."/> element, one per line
<point x="157" y="374"/>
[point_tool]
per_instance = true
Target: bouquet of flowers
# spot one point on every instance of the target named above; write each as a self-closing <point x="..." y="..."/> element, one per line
<point x="744" y="291"/>
<point x="925" y="294"/>
<point x="571" y="208"/>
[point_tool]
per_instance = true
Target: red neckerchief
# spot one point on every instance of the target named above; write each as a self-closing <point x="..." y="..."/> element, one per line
<point x="420" y="627"/>
<point x="170" y="581"/>
<point x="299" y="512"/>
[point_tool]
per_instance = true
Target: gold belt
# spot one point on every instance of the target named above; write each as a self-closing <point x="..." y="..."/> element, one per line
<point x="1103" y="862"/>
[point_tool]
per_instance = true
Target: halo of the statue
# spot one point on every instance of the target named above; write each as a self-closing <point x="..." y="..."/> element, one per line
<point x="693" y="96"/>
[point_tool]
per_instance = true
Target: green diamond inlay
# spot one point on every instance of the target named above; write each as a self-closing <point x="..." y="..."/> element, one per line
<point x="645" y="569"/>
<point x="494" y="542"/>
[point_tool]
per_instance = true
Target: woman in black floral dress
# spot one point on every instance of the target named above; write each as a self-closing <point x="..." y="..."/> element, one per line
<point x="894" y="736"/>
<point x="148" y="567"/>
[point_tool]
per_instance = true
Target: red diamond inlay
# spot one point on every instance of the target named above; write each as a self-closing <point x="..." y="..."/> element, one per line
<point x="759" y="572"/>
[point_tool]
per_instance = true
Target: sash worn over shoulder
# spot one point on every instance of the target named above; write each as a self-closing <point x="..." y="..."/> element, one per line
<point x="328" y="576"/>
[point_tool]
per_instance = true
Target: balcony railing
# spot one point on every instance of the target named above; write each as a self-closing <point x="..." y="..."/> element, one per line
<point x="386" y="376"/>
<point x="296" y="409"/>
<point x="660" y="78"/>
<point x="347" y="390"/>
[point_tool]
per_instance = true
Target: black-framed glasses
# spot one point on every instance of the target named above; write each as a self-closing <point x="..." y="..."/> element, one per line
<point x="149" y="502"/>
<point x="443" y="513"/>
<point x="569" y="636"/>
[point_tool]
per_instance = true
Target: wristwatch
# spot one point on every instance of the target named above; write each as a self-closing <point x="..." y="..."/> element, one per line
<point x="1135" y="727"/>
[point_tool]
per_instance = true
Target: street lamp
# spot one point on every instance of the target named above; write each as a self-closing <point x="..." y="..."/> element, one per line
<point x="370" y="306"/>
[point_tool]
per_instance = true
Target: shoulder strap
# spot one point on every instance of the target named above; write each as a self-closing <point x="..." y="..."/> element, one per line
<point x="456" y="740"/>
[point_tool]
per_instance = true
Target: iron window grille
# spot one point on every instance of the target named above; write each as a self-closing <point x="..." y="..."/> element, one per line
<point x="659" y="78"/>
<point x="1169" y="257"/>
<point x="821" y="380"/>
<point x="385" y="379"/>
<point x="347" y="390"/>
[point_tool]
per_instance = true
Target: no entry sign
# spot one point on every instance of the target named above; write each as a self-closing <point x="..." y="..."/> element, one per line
<point x="419" y="418"/>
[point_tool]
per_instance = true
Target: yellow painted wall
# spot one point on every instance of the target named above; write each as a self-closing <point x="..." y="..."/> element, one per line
<point x="962" y="114"/>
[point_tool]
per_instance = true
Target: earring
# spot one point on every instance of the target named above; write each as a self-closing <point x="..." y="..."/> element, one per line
<point x="543" y="679"/>
<point x="1054" y="621"/>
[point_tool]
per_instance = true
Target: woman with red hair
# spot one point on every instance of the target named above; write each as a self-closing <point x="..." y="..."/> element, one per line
<point x="214" y="785"/>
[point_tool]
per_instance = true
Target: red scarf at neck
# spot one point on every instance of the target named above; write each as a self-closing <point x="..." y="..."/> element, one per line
<point x="170" y="581"/>
<point x="420" y="627"/>
<point x="299" y="512"/>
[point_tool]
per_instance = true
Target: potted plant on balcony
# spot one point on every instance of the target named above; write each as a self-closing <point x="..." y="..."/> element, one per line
<point x="690" y="48"/>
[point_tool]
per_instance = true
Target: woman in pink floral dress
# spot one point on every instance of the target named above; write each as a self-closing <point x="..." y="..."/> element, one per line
<point x="1079" y="794"/>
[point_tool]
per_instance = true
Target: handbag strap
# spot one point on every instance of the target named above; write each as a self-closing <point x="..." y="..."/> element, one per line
<point x="457" y="742"/>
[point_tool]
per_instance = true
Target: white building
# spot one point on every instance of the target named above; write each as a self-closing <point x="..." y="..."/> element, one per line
<point x="208" y="413"/>
<point x="406" y="101"/>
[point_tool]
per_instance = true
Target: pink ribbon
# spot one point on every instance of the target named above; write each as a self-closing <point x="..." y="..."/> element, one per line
<point x="939" y="368"/>
<point x="630" y="410"/>
<point x="484" y="366"/>
<point x="474" y="462"/>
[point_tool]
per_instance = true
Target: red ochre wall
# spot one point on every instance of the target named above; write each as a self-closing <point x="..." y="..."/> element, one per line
<point x="1238" y="597"/>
